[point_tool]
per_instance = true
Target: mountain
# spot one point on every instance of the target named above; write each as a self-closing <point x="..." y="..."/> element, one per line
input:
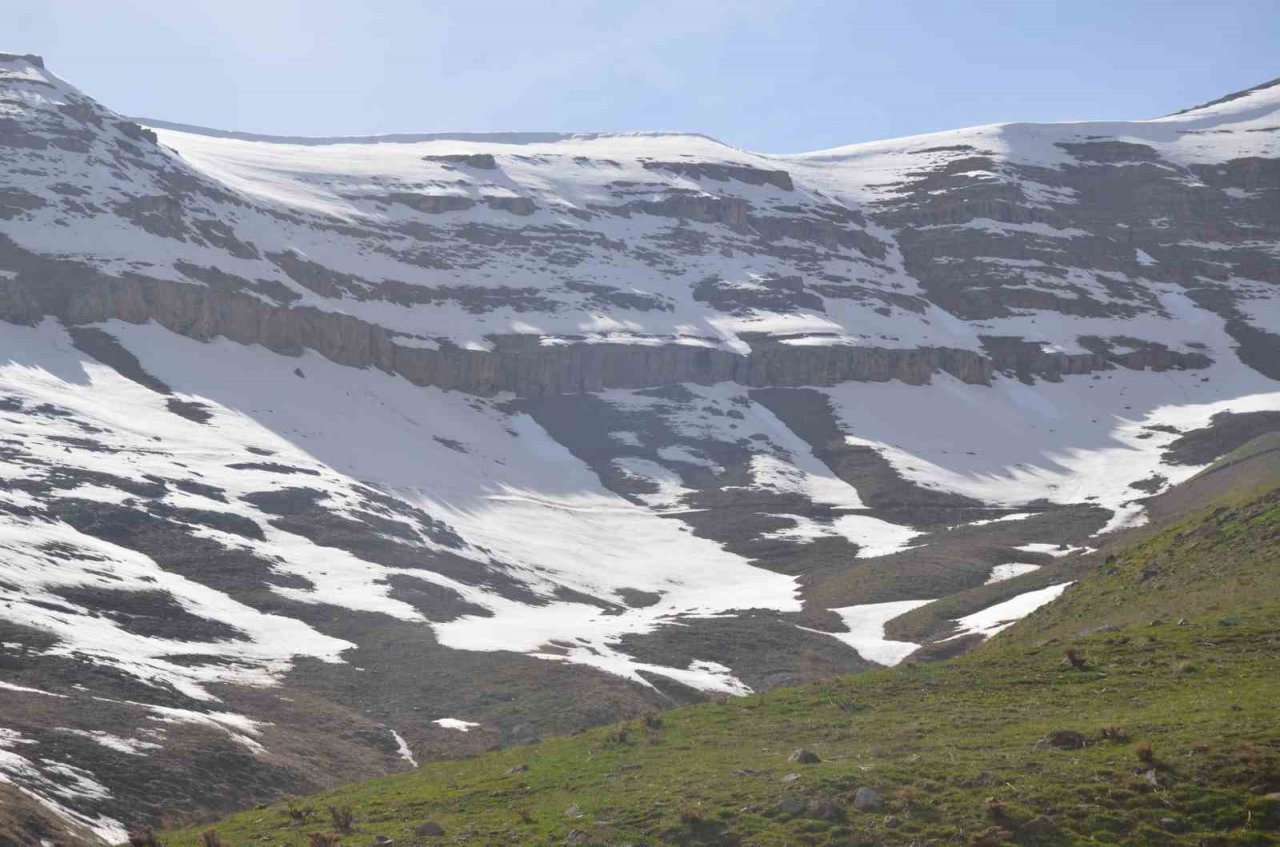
<point x="326" y="457"/>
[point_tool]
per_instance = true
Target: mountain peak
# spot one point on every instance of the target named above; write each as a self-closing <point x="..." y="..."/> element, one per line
<point x="1235" y="95"/>
<point x="28" y="58"/>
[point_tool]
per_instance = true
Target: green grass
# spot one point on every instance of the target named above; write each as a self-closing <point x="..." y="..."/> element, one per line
<point x="1226" y="559"/>
<point x="956" y="749"/>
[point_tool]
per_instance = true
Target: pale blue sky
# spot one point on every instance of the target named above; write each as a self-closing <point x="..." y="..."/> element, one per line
<point x="767" y="75"/>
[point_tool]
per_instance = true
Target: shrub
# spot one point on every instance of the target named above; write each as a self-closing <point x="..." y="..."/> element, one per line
<point x="1067" y="739"/>
<point x="342" y="816"/>
<point x="906" y="795"/>
<point x="323" y="839"/>
<point x="992" y="837"/>
<point x="299" y="814"/>
<point x="1075" y="658"/>
<point x="143" y="836"/>
<point x="1113" y="733"/>
<point x="209" y="838"/>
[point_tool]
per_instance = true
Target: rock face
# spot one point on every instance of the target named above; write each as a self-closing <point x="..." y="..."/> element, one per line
<point x="575" y="242"/>
<point x="309" y="475"/>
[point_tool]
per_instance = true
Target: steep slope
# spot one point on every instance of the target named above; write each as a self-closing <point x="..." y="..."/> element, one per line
<point x="322" y="457"/>
<point x="1166" y="734"/>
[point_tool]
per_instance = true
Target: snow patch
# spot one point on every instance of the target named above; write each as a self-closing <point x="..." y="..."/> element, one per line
<point x="866" y="630"/>
<point x="1001" y="616"/>
<point x="1009" y="570"/>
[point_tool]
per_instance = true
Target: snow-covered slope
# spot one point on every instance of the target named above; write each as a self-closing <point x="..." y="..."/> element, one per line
<point x="315" y="452"/>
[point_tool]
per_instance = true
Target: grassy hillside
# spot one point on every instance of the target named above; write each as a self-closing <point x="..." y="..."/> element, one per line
<point x="1167" y="732"/>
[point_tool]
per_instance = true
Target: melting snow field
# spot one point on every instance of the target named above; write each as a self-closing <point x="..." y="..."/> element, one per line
<point x="1081" y="440"/>
<point x="54" y="785"/>
<point x="515" y="497"/>
<point x="783" y="463"/>
<point x="1008" y="571"/>
<point x="1001" y="616"/>
<point x="866" y="630"/>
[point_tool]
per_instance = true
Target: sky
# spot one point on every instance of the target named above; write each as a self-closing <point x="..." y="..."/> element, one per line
<point x="765" y="75"/>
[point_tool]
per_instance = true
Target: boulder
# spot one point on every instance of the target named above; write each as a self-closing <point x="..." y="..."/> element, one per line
<point x="790" y="806"/>
<point x="867" y="799"/>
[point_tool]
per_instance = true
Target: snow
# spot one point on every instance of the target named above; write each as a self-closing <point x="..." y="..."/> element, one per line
<point x="874" y="537"/>
<point x="9" y="686"/>
<point x="129" y="746"/>
<point x="237" y="727"/>
<point x="1009" y="570"/>
<point x="72" y="784"/>
<point x="818" y="485"/>
<point x="1081" y="440"/>
<point x="1001" y="616"/>
<point x="1013" y="516"/>
<point x="626" y="437"/>
<point x="670" y="490"/>
<point x="402" y="747"/>
<point x="683" y="455"/>
<point x="290" y="191"/>
<point x="866" y="630"/>
<point x="455" y="723"/>
<point x="782" y="463"/>
<point x="516" y="497"/>
<point x="1056" y="550"/>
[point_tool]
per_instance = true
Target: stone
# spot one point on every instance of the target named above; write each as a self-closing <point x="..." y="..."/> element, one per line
<point x="804" y="757"/>
<point x="520" y="768"/>
<point x="573" y="811"/>
<point x="790" y="806"/>
<point x="429" y="829"/>
<point x="867" y="799"/>
<point x="822" y="809"/>
<point x="1039" y="825"/>
<point x="791" y="777"/>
